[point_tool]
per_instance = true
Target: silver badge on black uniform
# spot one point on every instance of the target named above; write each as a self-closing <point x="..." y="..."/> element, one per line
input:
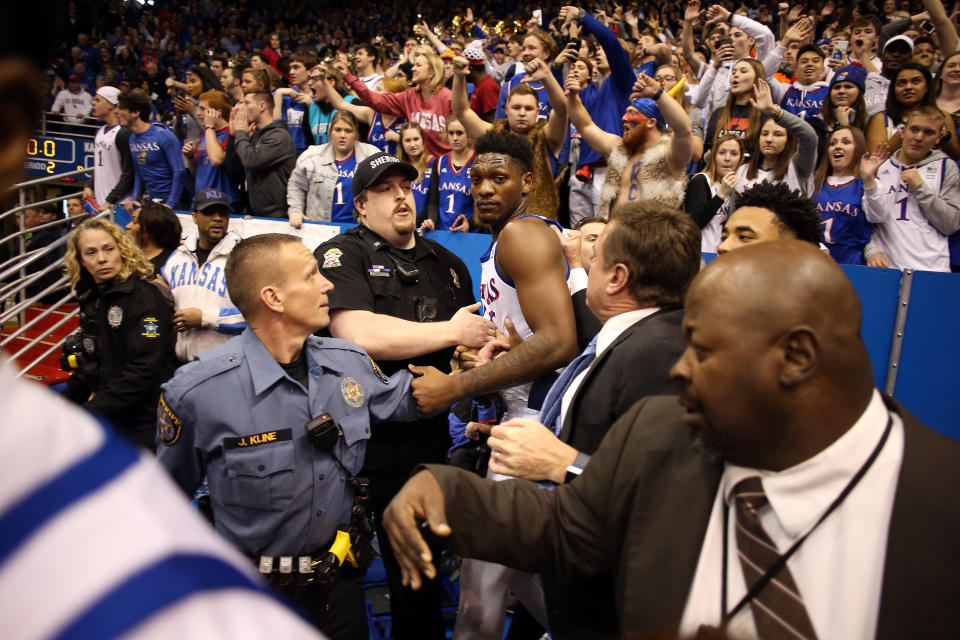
<point x="456" y="279"/>
<point x="115" y="316"/>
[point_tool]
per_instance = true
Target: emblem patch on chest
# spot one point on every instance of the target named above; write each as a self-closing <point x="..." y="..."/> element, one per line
<point x="352" y="392"/>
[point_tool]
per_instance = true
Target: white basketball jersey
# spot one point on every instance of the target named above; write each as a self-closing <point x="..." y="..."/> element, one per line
<point x="500" y="301"/>
<point x="106" y="159"/>
<point x="906" y="237"/>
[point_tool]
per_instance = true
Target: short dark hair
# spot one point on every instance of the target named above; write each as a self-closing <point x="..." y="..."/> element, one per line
<point x="251" y="265"/>
<point x="305" y="57"/>
<point x="371" y="51"/>
<point x="590" y="220"/>
<point x="659" y="245"/>
<point x="159" y="222"/>
<point x="795" y="213"/>
<point x="264" y="96"/>
<point x="810" y="48"/>
<point x="135" y="101"/>
<point x="507" y="143"/>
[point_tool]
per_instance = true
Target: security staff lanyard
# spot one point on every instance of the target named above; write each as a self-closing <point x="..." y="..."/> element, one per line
<point x="782" y="560"/>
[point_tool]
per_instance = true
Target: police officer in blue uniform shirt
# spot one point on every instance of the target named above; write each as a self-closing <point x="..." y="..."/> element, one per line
<point x="240" y="415"/>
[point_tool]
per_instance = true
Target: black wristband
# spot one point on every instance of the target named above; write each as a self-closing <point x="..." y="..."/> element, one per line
<point x="657" y="95"/>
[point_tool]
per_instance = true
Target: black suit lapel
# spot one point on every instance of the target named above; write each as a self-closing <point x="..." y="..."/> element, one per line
<point x="920" y="578"/>
<point x="625" y="335"/>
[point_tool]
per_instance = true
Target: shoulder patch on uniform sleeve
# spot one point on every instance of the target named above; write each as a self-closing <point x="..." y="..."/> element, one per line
<point x="377" y="372"/>
<point x="150" y="327"/>
<point x="168" y="423"/>
<point x="331" y="258"/>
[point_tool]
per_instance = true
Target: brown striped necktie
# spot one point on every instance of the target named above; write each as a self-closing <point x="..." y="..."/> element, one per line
<point x="778" y="610"/>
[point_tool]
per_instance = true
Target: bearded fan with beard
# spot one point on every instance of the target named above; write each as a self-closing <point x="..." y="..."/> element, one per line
<point x="646" y="163"/>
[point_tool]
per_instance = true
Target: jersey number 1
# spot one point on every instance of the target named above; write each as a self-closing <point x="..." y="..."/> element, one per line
<point x="338" y="194"/>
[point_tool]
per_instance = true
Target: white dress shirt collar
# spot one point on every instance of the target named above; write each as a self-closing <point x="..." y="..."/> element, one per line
<point x="616" y="325"/>
<point x="801" y="494"/>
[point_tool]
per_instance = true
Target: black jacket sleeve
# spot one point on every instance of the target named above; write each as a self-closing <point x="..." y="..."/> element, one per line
<point x="700" y="202"/>
<point x="125" y="184"/>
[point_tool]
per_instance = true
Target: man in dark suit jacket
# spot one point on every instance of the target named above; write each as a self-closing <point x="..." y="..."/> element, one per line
<point x="645" y="258"/>
<point x="775" y="375"/>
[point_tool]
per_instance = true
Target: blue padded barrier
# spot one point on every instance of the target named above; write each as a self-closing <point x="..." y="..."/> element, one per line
<point x="879" y="290"/>
<point x="929" y="370"/>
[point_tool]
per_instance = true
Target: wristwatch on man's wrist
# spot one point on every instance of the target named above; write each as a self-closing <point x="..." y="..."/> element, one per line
<point x="577" y="466"/>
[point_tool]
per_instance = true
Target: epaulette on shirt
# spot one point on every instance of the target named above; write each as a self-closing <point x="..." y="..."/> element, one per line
<point x="206" y="366"/>
<point x="345" y="345"/>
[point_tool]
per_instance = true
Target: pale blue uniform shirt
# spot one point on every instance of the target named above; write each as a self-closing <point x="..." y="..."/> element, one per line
<point x="235" y="416"/>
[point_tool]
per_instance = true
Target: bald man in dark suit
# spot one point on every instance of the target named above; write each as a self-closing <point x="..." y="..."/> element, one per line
<point x="778" y="390"/>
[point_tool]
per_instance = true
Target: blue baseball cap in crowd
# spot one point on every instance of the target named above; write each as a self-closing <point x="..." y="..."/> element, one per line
<point x="207" y="198"/>
<point x="854" y="73"/>
<point x="649" y="108"/>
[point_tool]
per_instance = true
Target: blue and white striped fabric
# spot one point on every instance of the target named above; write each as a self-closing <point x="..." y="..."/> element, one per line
<point x="96" y="542"/>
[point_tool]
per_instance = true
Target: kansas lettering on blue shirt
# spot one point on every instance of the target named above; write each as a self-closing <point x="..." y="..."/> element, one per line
<point x="843" y="227"/>
<point x="454" y="189"/>
<point x="342" y="210"/>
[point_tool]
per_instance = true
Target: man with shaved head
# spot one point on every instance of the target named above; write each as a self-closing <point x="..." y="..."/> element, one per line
<point x="278" y="420"/>
<point x="782" y="496"/>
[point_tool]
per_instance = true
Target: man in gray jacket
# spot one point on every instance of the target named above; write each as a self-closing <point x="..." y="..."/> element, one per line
<point x="913" y="198"/>
<point x="268" y="156"/>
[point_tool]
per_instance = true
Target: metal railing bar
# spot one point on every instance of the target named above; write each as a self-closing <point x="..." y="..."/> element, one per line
<point x="40" y="202"/>
<point x="56" y="306"/>
<point x="32" y="257"/>
<point x="42" y="357"/>
<point x="21" y="284"/>
<point x="9" y="313"/>
<point x="44" y="180"/>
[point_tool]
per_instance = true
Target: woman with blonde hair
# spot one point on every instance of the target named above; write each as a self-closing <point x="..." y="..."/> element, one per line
<point x="124" y="349"/>
<point x="384" y="127"/>
<point x="428" y="104"/>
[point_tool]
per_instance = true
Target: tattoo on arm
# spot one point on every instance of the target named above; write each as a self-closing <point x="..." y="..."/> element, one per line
<point x="525" y="363"/>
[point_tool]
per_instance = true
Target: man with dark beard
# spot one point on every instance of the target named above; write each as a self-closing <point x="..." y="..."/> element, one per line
<point x="644" y="164"/>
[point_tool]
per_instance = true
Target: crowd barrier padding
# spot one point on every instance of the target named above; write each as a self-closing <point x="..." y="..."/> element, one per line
<point x="928" y="371"/>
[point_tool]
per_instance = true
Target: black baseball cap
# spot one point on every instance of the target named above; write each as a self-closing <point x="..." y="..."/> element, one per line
<point x="207" y="198"/>
<point x="370" y="170"/>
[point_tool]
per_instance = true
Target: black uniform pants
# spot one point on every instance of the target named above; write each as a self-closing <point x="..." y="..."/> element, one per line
<point x="340" y="610"/>
<point x="416" y="615"/>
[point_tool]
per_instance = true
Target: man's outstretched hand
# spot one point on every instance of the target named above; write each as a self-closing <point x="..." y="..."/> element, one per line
<point x="419" y="501"/>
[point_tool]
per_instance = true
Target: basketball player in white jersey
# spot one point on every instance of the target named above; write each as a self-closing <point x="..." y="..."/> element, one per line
<point x="524" y="278"/>
<point x="913" y="198"/>
<point x="113" y="166"/>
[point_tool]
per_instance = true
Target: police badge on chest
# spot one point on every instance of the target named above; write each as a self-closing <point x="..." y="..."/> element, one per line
<point x="115" y="316"/>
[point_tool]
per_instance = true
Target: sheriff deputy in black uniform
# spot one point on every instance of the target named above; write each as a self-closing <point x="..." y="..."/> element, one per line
<point x="406" y="300"/>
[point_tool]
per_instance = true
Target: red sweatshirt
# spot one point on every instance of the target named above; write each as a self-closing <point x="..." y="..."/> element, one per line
<point x="430" y="115"/>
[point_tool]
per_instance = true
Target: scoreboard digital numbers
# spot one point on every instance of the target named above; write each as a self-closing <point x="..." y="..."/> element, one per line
<point x="52" y="155"/>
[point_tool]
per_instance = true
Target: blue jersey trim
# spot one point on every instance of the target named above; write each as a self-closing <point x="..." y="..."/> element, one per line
<point x="72" y="485"/>
<point x="149" y="591"/>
